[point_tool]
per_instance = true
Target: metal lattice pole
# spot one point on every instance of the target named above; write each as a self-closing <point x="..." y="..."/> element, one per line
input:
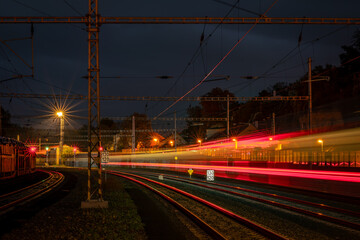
<point x="94" y="135"/>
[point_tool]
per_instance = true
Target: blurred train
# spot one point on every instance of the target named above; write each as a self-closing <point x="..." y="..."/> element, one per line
<point x="16" y="158"/>
<point x="339" y="149"/>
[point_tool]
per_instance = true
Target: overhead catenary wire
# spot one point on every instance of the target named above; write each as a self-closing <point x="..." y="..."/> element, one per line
<point x="73" y="8"/>
<point x="240" y="8"/>
<point x="292" y="53"/>
<point x="42" y="12"/>
<point x="203" y="42"/>
<point x="218" y="64"/>
<point x="196" y="54"/>
<point x="32" y="8"/>
<point x="306" y="44"/>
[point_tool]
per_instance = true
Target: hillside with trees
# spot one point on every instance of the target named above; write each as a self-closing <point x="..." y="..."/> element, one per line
<point x="335" y="100"/>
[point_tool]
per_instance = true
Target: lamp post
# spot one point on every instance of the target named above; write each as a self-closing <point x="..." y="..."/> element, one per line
<point x="234" y="140"/>
<point x="322" y="144"/>
<point x="156" y="141"/>
<point x="74" y="150"/>
<point x="60" y="114"/>
<point x="322" y="148"/>
<point x="199" y="141"/>
<point x="47" y="156"/>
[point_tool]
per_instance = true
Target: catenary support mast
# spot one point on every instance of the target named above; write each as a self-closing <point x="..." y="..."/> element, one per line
<point x="94" y="134"/>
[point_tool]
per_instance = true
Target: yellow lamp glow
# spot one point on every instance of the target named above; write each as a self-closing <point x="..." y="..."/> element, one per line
<point x="59" y="114"/>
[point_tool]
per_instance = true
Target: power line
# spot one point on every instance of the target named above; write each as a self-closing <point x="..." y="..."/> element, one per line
<point x="73" y="8"/>
<point x="30" y="7"/>
<point x="149" y="98"/>
<point x="227" y="54"/>
<point x="196" y="54"/>
<point x="240" y="8"/>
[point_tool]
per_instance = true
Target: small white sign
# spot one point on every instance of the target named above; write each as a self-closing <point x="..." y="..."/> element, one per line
<point x="105" y="156"/>
<point x="210" y="175"/>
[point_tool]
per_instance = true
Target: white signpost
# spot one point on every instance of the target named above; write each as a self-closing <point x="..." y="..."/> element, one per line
<point x="105" y="156"/>
<point x="210" y="175"/>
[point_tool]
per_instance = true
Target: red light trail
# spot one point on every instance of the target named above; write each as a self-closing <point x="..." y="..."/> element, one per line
<point x="323" y="175"/>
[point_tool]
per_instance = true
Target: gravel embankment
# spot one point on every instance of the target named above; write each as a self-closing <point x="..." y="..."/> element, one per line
<point x="133" y="213"/>
<point x="58" y="215"/>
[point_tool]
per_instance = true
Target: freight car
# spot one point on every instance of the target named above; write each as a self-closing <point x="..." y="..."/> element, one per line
<point x="15" y="158"/>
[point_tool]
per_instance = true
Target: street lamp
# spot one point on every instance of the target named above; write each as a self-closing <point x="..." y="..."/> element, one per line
<point x="171" y="143"/>
<point x="156" y="141"/>
<point x="47" y="156"/>
<point x="199" y="141"/>
<point x="322" y="144"/>
<point x="75" y="150"/>
<point x="60" y="114"/>
<point x="234" y="140"/>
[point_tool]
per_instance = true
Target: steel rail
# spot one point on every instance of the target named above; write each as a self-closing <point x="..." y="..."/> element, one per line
<point x="259" y="229"/>
<point x="27" y="187"/>
<point x="321" y="216"/>
<point x="203" y="225"/>
<point x="322" y="206"/>
<point x="36" y="193"/>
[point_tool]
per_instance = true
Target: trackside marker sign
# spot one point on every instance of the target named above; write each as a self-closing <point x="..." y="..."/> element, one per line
<point x="190" y="171"/>
<point x="210" y="175"/>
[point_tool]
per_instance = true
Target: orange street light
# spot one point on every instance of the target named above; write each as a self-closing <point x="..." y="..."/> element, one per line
<point x="60" y="114"/>
<point x="199" y="141"/>
<point x="234" y="140"/>
<point x="156" y="141"/>
<point x="171" y="143"/>
<point x="322" y="144"/>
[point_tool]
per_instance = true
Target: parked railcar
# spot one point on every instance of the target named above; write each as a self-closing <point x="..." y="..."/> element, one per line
<point x="15" y="158"/>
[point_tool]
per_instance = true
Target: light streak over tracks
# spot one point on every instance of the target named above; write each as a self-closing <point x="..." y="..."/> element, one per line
<point x="312" y="174"/>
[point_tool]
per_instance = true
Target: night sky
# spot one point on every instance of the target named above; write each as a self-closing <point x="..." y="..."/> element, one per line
<point x="137" y="54"/>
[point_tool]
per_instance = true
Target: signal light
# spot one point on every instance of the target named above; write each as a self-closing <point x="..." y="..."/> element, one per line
<point x="101" y="148"/>
<point x="33" y="149"/>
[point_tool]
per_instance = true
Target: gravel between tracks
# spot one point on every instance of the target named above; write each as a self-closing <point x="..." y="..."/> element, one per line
<point x="133" y="213"/>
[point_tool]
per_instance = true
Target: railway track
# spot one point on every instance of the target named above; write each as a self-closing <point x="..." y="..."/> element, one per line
<point x="12" y="199"/>
<point x="193" y="207"/>
<point x="322" y="214"/>
<point x="317" y="209"/>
